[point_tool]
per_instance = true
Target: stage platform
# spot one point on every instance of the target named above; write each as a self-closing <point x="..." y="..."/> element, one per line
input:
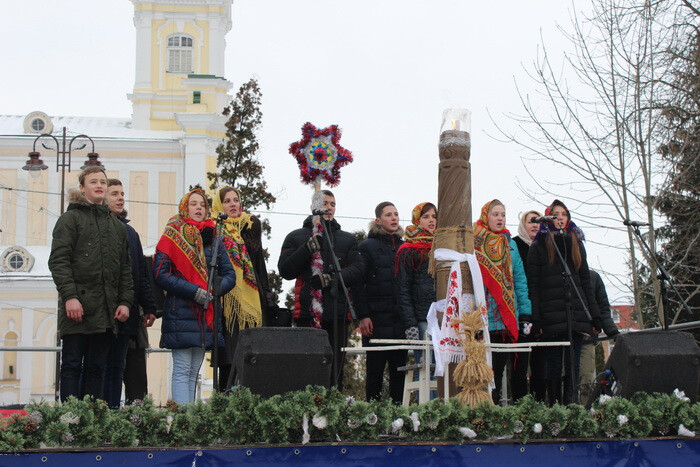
<point x="662" y="451"/>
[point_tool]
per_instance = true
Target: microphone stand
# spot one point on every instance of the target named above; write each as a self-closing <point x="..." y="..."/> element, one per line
<point x="213" y="287"/>
<point x="568" y="285"/>
<point x="337" y="278"/>
<point x="663" y="279"/>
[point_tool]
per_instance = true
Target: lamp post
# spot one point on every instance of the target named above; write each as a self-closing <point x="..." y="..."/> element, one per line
<point x="35" y="165"/>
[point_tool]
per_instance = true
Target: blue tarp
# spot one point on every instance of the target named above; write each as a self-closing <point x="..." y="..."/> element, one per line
<point x="672" y="452"/>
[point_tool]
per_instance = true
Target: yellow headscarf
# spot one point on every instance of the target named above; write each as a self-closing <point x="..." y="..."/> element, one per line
<point x="243" y="302"/>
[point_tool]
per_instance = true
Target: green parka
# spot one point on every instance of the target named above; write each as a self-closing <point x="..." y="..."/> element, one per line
<point x="90" y="261"/>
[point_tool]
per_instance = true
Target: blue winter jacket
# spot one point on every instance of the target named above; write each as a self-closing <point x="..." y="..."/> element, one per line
<point x="523" y="307"/>
<point x="180" y="329"/>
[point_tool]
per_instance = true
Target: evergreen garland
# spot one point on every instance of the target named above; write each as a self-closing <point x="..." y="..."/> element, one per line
<point x="318" y="414"/>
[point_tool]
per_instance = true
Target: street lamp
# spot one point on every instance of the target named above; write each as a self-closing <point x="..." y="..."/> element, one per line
<point x="35" y="165"/>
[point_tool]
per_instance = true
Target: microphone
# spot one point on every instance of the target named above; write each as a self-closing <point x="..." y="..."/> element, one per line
<point x="542" y="219"/>
<point x="635" y="223"/>
<point x="222" y="216"/>
<point x="320" y="212"/>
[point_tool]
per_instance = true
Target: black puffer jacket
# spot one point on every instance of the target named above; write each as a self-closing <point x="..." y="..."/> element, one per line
<point x="295" y="263"/>
<point x="546" y="285"/>
<point x="416" y="288"/>
<point x="376" y="298"/>
<point x="523" y="249"/>
<point x="601" y="298"/>
<point x="144" y="301"/>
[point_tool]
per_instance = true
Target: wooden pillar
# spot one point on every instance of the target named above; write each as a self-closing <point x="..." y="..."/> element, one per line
<point x="454" y="227"/>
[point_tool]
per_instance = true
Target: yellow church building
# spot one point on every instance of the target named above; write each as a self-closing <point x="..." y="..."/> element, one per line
<point x="167" y="146"/>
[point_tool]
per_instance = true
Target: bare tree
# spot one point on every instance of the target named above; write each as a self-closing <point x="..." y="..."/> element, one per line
<point x="597" y="118"/>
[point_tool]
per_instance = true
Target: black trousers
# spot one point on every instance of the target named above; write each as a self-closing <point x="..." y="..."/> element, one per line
<point x="83" y="361"/>
<point x="135" y="377"/>
<point x="538" y="366"/>
<point x="376" y="361"/>
<point x="499" y="361"/>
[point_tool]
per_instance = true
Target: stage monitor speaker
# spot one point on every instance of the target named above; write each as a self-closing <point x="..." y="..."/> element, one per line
<point x="652" y="361"/>
<point x="273" y="361"/>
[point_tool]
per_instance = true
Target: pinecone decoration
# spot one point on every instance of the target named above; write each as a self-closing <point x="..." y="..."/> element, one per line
<point x="30" y="426"/>
<point x="432" y="424"/>
<point x="354" y="423"/>
<point x="136" y="419"/>
<point x="36" y="417"/>
<point x="478" y="424"/>
<point x="137" y="403"/>
<point x="663" y="430"/>
<point x="519" y="426"/>
<point x="598" y="417"/>
<point x="318" y="399"/>
<point x="171" y="405"/>
<point x="67" y="437"/>
<point x="555" y="429"/>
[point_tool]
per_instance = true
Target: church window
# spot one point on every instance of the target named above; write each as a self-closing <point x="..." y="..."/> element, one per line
<point x="38" y="124"/>
<point x="196" y="97"/>
<point x="180" y="54"/>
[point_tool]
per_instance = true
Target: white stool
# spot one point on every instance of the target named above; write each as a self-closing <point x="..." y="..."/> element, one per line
<point x="424" y="384"/>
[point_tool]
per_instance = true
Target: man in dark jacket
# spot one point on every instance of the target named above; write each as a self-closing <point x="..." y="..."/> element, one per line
<point x="376" y="299"/>
<point x="90" y="265"/>
<point x="588" y="370"/>
<point x="141" y="315"/>
<point x="295" y="264"/>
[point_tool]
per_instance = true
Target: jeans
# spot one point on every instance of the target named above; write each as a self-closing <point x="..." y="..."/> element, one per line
<point x="83" y="360"/>
<point x="186" y="364"/>
<point x="114" y="370"/>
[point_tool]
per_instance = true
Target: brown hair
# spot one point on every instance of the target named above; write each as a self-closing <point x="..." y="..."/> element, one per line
<point x="328" y="193"/>
<point x="226" y="190"/>
<point x="495" y="203"/>
<point x="380" y="208"/>
<point x="427" y="207"/>
<point x="114" y="182"/>
<point x="575" y="249"/>
<point x="88" y="171"/>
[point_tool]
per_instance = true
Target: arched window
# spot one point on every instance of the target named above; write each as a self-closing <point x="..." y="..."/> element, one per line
<point x="180" y="54"/>
<point x="9" y="366"/>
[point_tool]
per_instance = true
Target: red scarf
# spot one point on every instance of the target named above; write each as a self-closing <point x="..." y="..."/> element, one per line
<point x="493" y="253"/>
<point x="182" y="243"/>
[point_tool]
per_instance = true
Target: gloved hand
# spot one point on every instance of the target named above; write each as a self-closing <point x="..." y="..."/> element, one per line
<point x="597" y="325"/>
<point x="536" y="329"/>
<point x="319" y="282"/>
<point x="313" y="244"/>
<point x="412" y="333"/>
<point x="202" y="296"/>
<point x="525" y="328"/>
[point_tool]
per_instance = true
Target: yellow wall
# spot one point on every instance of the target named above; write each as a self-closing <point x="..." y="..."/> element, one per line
<point x="37" y="209"/>
<point x="8" y="205"/>
<point x="138" y="212"/>
<point x="166" y="194"/>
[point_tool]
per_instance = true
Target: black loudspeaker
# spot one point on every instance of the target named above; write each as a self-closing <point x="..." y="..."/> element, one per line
<point x="652" y="361"/>
<point x="273" y="361"/>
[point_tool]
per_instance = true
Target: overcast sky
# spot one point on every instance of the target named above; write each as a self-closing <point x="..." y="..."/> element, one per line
<point x="384" y="70"/>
